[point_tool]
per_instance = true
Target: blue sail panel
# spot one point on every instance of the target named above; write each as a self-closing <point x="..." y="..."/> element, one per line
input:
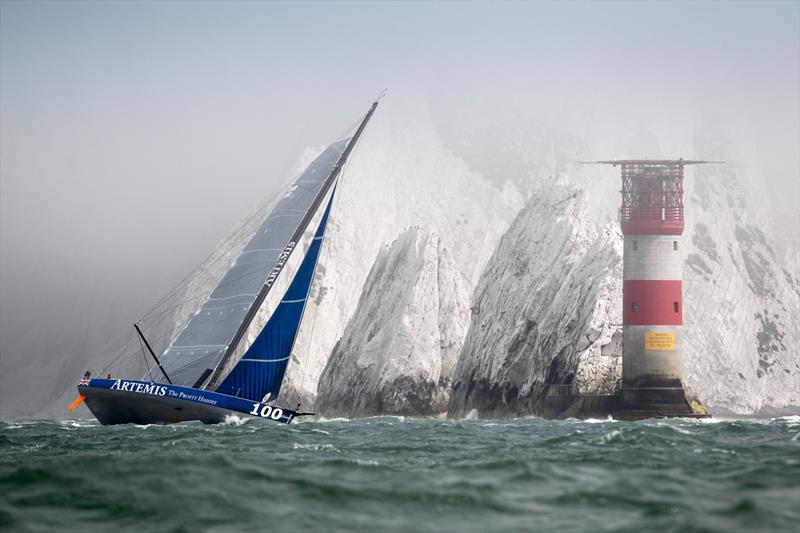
<point x="261" y="369"/>
<point x="206" y="336"/>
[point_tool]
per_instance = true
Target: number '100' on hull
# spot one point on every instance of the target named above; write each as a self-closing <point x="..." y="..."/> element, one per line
<point x="122" y="401"/>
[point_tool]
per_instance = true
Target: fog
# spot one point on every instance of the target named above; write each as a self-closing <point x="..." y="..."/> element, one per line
<point x="134" y="136"/>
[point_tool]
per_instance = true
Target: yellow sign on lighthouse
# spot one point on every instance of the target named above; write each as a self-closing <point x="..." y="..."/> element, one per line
<point x="657" y="340"/>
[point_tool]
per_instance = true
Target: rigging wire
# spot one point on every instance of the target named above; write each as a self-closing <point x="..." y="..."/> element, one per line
<point x="154" y="314"/>
<point x="334" y="173"/>
<point x="206" y="262"/>
<point x="157" y="310"/>
<point x="334" y="207"/>
<point x="169" y="333"/>
<point x="144" y="356"/>
<point x="123" y="353"/>
<point x="239" y="228"/>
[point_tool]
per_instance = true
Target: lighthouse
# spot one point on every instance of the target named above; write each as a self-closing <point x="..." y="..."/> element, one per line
<point x="652" y="221"/>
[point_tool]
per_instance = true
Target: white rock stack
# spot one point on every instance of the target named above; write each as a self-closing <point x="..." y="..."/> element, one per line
<point x="398" y="350"/>
<point x="546" y="311"/>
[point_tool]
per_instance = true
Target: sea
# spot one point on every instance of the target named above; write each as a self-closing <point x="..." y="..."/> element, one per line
<point x="402" y="474"/>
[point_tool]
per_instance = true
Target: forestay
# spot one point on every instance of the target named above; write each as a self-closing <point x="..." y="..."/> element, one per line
<point x="203" y="342"/>
<point x="260" y="371"/>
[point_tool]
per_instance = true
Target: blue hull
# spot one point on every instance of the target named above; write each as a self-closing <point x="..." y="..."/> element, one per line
<point x="123" y="401"/>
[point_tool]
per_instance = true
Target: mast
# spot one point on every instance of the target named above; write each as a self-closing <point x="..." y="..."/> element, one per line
<point x="301" y="228"/>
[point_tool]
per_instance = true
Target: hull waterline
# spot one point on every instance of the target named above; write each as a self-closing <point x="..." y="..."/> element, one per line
<point x="142" y="402"/>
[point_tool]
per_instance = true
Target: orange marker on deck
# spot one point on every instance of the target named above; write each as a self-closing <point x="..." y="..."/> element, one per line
<point x="77" y="402"/>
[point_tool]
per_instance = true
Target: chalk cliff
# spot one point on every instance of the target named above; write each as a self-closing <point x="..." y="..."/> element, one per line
<point x="741" y="290"/>
<point x="399" y="348"/>
<point x="545" y="311"/>
<point x="400" y="176"/>
<point x="741" y="286"/>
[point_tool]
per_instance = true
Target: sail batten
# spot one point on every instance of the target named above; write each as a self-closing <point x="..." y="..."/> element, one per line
<point x="261" y="369"/>
<point x="218" y="374"/>
<point x="219" y="327"/>
<point x="215" y="325"/>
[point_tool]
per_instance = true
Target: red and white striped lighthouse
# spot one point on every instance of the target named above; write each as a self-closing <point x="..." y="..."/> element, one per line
<point x="651" y="218"/>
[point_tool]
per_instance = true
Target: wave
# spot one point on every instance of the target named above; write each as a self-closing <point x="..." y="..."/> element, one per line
<point x="418" y="474"/>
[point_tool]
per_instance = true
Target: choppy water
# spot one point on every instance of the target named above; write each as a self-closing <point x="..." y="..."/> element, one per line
<point x="394" y="474"/>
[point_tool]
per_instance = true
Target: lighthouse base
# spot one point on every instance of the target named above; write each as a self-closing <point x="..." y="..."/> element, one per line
<point x="637" y="403"/>
<point x="628" y="403"/>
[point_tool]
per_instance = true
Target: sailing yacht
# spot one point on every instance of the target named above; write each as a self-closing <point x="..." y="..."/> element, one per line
<point x="206" y="373"/>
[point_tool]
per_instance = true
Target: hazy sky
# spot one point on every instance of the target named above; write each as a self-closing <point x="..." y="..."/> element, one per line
<point x="134" y="135"/>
